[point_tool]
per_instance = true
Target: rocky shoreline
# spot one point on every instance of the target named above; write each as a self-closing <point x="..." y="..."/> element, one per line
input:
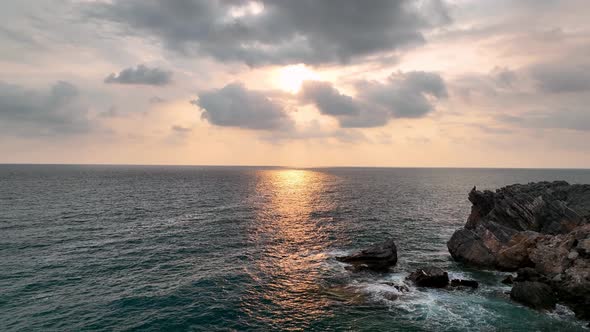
<point x="539" y="230"/>
<point x="542" y="231"/>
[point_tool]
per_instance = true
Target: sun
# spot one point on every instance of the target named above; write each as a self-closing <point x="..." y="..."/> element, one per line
<point x="291" y="77"/>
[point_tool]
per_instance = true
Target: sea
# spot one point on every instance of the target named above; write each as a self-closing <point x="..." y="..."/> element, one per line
<point x="179" y="248"/>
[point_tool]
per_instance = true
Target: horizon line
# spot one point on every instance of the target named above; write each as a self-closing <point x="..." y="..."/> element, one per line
<point x="291" y="167"/>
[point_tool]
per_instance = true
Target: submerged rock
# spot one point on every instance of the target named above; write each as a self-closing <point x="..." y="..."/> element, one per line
<point x="429" y="277"/>
<point x="399" y="287"/>
<point x="534" y="294"/>
<point x="464" y="283"/>
<point x="379" y="257"/>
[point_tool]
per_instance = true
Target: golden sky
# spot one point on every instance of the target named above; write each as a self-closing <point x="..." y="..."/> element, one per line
<point x="426" y="83"/>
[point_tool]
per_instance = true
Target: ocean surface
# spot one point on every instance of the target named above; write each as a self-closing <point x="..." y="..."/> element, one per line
<point x="138" y="248"/>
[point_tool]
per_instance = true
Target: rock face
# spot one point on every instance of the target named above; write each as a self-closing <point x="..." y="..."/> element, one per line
<point x="541" y="228"/>
<point x="533" y="294"/>
<point x="504" y="225"/>
<point x="509" y="280"/>
<point x="430" y="277"/>
<point x="379" y="257"/>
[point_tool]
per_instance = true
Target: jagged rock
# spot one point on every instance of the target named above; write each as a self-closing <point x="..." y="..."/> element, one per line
<point x="540" y="229"/>
<point x="467" y="246"/>
<point x="464" y="283"/>
<point x="505" y="225"/>
<point x="509" y="280"/>
<point x="429" y="277"/>
<point x="379" y="257"/>
<point x="584" y="247"/>
<point x="529" y="274"/>
<point x="534" y="294"/>
<point x="517" y="251"/>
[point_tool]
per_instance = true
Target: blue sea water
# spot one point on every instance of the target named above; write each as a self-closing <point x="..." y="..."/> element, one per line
<point x="151" y="248"/>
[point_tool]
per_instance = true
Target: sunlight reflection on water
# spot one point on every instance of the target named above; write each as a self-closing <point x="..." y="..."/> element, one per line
<point x="288" y="265"/>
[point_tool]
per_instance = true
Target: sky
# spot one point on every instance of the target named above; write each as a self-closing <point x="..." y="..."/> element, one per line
<point x="306" y="83"/>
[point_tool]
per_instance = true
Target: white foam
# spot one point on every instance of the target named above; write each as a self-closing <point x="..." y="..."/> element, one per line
<point x="432" y="306"/>
<point x="459" y="275"/>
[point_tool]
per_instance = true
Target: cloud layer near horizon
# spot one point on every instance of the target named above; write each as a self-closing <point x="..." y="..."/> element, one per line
<point x="52" y="112"/>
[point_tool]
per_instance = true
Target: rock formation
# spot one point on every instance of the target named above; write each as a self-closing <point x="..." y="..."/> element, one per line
<point x="533" y="294"/>
<point x="430" y="277"/>
<point x="379" y="257"/>
<point x="540" y="226"/>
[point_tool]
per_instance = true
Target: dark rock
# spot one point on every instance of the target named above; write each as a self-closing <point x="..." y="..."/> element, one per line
<point x="464" y="283"/>
<point x="379" y="257"/>
<point x="541" y="230"/>
<point x="516" y="253"/>
<point x="429" y="277"/>
<point x="583" y="247"/>
<point x="509" y="280"/>
<point x="400" y="288"/>
<point x="528" y="274"/>
<point x="467" y="246"/>
<point x="492" y="235"/>
<point x="534" y="294"/>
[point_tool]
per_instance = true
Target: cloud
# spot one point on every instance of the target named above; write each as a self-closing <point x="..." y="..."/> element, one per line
<point x="572" y="119"/>
<point x="561" y="77"/>
<point x="112" y="112"/>
<point x="141" y="75"/>
<point x="276" y="31"/>
<point x="403" y="95"/>
<point x="504" y="77"/>
<point x="156" y="100"/>
<point x="28" y="112"/>
<point x="313" y="130"/>
<point x="500" y="81"/>
<point x="329" y="100"/>
<point x="236" y="106"/>
<point x="181" y="129"/>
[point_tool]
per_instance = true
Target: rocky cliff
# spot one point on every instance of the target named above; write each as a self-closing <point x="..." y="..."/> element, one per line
<point x="544" y="226"/>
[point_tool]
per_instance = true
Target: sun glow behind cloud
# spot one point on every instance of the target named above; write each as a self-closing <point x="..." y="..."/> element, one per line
<point x="290" y="78"/>
<point x="251" y="8"/>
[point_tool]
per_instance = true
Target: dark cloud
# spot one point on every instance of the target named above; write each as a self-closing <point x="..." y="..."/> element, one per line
<point x="236" y="106"/>
<point x="403" y="95"/>
<point x="328" y="100"/>
<point x="285" y="31"/>
<point x="36" y="113"/>
<point x="140" y="75"/>
<point x="561" y="77"/>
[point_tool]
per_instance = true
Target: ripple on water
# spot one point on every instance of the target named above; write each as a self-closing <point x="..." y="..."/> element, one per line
<point x="215" y="249"/>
